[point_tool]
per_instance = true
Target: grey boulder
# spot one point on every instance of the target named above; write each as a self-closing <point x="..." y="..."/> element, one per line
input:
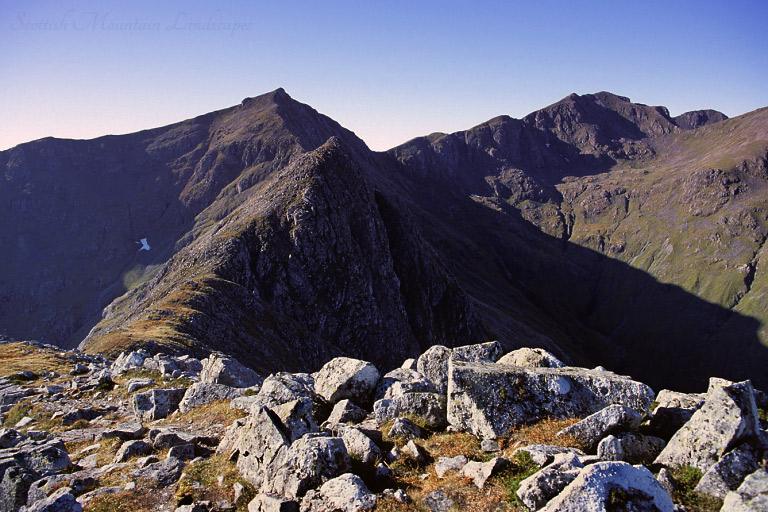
<point x="433" y="363"/>
<point x="201" y="393"/>
<point x="611" y="420"/>
<point x="531" y="358"/>
<point x="345" y="493"/>
<point x="751" y="496"/>
<point x="156" y="404"/>
<point x="223" y="369"/>
<point x="344" y="377"/>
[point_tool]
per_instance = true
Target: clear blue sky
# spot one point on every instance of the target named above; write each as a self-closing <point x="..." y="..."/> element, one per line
<point x="389" y="71"/>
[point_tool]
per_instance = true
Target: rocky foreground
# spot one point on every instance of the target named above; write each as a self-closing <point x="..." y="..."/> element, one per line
<point x="467" y="428"/>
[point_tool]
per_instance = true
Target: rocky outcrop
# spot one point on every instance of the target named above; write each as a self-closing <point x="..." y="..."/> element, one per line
<point x="157" y="403"/>
<point x="489" y="399"/>
<point x="751" y="496"/>
<point x="346" y="493"/>
<point x="728" y="417"/>
<point x="433" y="363"/>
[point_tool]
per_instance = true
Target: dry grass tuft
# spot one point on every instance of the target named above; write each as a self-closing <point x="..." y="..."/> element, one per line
<point x="16" y="357"/>
<point x="543" y="432"/>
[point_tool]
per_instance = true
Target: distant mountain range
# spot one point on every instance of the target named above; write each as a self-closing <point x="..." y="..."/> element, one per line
<point x="605" y="231"/>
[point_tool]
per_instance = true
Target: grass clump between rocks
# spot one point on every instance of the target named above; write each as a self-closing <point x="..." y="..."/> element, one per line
<point x="686" y="478"/>
<point x="213" y="480"/>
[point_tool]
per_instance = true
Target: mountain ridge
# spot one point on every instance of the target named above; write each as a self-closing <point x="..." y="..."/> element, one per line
<point x="514" y="229"/>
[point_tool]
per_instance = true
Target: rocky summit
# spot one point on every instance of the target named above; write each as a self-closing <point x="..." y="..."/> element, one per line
<point x="159" y="432"/>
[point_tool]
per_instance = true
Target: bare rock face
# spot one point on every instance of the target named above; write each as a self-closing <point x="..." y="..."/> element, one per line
<point x="728" y="416"/>
<point x="60" y="501"/>
<point x="430" y="407"/>
<point x="672" y="411"/>
<point x="607" y="486"/>
<point x="489" y="399"/>
<point x="536" y="490"/>
<point x="310" y="461"/>
<point x="531" y="358"/>
<point x="345" y="378"/>
<point x="400" y="381"/>
<point x="222" y="369"/>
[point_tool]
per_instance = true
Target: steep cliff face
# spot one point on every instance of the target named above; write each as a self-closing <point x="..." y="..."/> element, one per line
<point x="307" y="268"/>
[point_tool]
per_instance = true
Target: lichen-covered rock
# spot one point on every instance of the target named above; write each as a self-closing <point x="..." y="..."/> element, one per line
<point x="531" y="358"/>
<point x="433" y="363"/>
<point x="487" y="400"/>
<point x="672" y="411"/>
<point x="201" y="393"/>
<point x="165" y="472"/>
<point x="400" y="381"/>
<point x="345" y="493"/>
<point x="272" y="503"/>
<point x="430" y="407"/>
<point x="545" y="454"/>
<point x="445" y="464"/>
<point x="611" y="420"/>
<point x="728" y="416"/>
<point x="131" y="449"/>
<point x="536" y="490"/>
<point x="630" y="447"/>
<point x="404" y="428"/>
<point x="37" y="456"/>
<point x="156" y="404"/>
<point x="60" y="501"/>
<point x="296" y="418"/>
<point x="125" y="430"/>
<point x="751" y="496"/>
<point x="258" y="442"/>
<point x="345" y="411"/>
<point x="358" y="444"/>
<point x="344" y="377"/>
<point x="438" y="501"/>
<point x="729" y="472"/>
<point x="14" y="486"/>
<point x="607" y="486"/>
<point x="308" y="463"/>
<point x="128" y="361"/>
<point x="138" y="383"/>
<point x="417" y="453"/>
<point x="480" y="472"/>
<point x="283" y="387"/>
<point x="223" y="369"/>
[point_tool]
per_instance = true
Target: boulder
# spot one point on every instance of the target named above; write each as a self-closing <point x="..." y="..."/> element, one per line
<point x="345" y="493"/>
<point x="156" y="404"/>
<point x="128" y="361"/>
<point x="536" y="490"/>
<point x="433" y="364"/>
<point x="14" y="486"/>
<point x="126" y="430"/>
<point x="223" y="369"/>
<point x="531" y="358"/>
<point x="430" y="407"/>
<point x="183" y="452"/>
<point x="131" y="449"/>
<point x="751" y="496"/>
<point x="635" y="448"/>
<point x="728" y="416"/>
<point x="488" y="400"/>
<point x="403" y="428"/>
<point x="611" y="420"/>
<point x="10" y="437"/>
<point x="257" y="442"/>
<point x="60" y="501"/>
<point x="296" y="418"/>
<point x="138" y="383"/>
<point x="165" y="472"/>
<point x="280" y="388"/>
<point x="729" y="472"/>
<point x="358" y="444"/>
<point x="480" y="472"/>
<point x="344" y="377"/>
<point x="416" y="452"/>
<point x="201" y="393"/>
<point x="610" y="449"/>
<point x="445" y="464"/>
<point x="36" y="456"/>
<point x="345" y="411"/>
<point x="272" y="503"/>
<point x="400" y="381"/>
<point x="309" y="462"/>
<point x="608" y="486"/>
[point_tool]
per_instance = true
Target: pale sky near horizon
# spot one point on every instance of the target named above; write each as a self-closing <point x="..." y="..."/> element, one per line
<point x="389" y="71"/>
